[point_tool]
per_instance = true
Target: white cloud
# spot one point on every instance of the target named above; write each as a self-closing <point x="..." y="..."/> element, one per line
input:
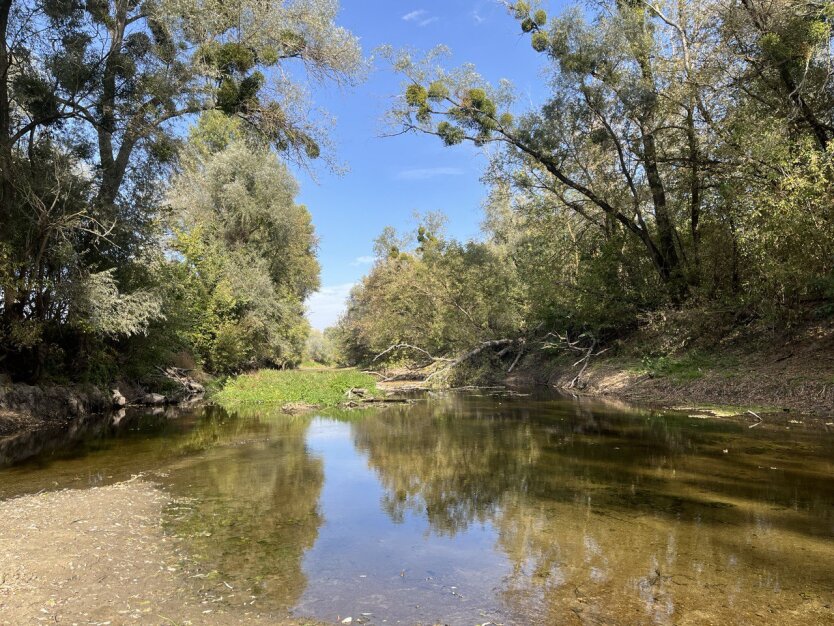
<point x="414" y="15"/>
<point x="419" y="17"/>
<point x="428" y="172"/>
<point x="363" y="260"/>
<point x="326" y="305"/>
<point x="477" y="17"/>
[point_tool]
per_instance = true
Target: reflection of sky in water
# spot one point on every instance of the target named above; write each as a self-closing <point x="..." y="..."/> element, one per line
<point x="363" y="562"/>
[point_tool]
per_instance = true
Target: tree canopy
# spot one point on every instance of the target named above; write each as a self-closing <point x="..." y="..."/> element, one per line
<point x="682" y="159"/>
<point x="95" y="99"/>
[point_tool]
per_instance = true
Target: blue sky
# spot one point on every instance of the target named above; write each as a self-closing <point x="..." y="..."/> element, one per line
<point x="391" y="178"/>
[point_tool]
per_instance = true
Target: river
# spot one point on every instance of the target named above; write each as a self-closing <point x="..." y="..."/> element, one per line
<point x="478" y="508"/>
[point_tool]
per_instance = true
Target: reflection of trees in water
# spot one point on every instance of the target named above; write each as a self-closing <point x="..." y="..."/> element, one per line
<point x="456" y="458"/>
<point x="253" y="509"/>
<point x="606" y="567"/>
<point x="609" y="518"/>
<point x="456" y="471"/>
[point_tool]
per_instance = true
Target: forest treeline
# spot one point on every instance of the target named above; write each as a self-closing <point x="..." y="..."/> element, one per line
<point x="147" y="213"/>
<point x="682" y="166"/>
<point x="682" y="162"/>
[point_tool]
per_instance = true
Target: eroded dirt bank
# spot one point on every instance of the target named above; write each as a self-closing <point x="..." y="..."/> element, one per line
<point x="101" y="556"/>
<point x="28" y="407"/>
<point x="765" y="390"/>
<point x="785" y="378"/>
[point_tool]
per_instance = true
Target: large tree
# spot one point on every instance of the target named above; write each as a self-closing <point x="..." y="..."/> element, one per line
<point x="94" y="98"/>
<point x="247" y="251"/>
<point x="659" y="113"/>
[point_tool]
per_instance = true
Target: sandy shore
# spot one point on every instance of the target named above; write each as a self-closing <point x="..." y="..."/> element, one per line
<point x="101" y="556"/>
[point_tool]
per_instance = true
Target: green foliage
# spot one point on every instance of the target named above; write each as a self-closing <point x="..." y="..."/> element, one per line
<point x="416" y="95"/>
<point x="539" y="41"/>
<point x="319" y="348"/>
<point x="438" y="91"/>
<point x="650" y="180"/>
<point x="322" y="388"/>
<point x="233" y="208"/>
<point x="442" y="296"/>
<point x="786" y="232"/>
<point x="689" y="366"/>
<point x="451" y="135"/>
<point x="99" y="308"/>
<point x="92" y="106"/>
<point x="521" y="9"/>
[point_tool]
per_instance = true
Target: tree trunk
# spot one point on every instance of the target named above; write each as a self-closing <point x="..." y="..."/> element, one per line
<point x="112" y="168"/>
<point x="6" y="188"/>
<point x="669" y="261"/>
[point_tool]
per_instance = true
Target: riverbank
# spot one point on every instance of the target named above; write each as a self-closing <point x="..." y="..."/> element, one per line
<point x="784" y="375"/>
<point x="758" y="376"/>
<point x="28" y="408"/>
<point x="783" y="378"/>
<point x="101" y="556"/>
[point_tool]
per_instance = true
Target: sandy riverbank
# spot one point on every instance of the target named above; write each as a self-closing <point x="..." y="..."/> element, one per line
<point x="101" y="556"/>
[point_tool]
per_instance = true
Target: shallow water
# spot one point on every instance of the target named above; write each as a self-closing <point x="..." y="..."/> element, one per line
<point x="473" y="509"/>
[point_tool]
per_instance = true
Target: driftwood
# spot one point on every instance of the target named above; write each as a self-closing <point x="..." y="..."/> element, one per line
<point x="585" y="344"/>
<point x="181" y="376"/>
<point x="517" y="357"/>
<point x="410" y="375"/>
<point x="506" y="346"/>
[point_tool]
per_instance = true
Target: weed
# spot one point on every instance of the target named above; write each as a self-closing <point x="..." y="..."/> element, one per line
<point x="688" y="366"/>
<point x="319" y="387"/>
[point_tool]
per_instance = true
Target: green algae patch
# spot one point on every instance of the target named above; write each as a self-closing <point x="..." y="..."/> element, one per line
<point x="319" y="388"/>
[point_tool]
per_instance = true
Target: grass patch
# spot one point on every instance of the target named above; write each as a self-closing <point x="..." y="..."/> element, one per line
<point x="309" y="364"/>
<point x="321" y="387"/>
<point x="689" y="366"/>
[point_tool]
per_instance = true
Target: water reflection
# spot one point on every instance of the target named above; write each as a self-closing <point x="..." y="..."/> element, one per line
<point x="249" y="511"/>
<point x="467" y="509"/>
<point x="614" y="519"/>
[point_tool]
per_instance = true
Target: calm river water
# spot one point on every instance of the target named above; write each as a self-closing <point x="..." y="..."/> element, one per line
<point x="466" y="509"/>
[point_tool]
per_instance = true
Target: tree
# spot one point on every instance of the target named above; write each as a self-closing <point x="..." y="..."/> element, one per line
<point x="668" y="143"/>
<point x="93" y="97"/>
<point x="439" y="295"/>
<point x="787" y="54"/>
<point x="319" y="347"/>
<point x="248" y="250"/>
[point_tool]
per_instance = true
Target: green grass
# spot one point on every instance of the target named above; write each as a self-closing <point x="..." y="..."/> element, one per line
<point x="322" y="387"/>
<point x="688" y="366"/>
<point x="309" y="364"/>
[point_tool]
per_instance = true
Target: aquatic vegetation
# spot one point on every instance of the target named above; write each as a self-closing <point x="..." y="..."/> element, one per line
<point x="320" y="388"/>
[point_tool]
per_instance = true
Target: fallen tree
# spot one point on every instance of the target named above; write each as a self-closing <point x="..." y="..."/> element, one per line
<point x="431" y="367"/>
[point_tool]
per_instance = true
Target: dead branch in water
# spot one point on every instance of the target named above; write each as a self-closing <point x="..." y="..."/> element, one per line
<point x="758" y="417"/>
